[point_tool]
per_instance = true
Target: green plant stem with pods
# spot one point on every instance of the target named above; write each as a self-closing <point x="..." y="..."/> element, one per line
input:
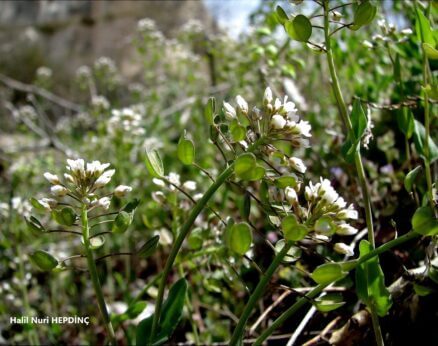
<point x="357" y="155"/>
<point x="184" y="231"/>
<point x="347" y="266"/>
<point x="95" y="276"/>
<point x="427" y="80"/>
<point x="255" y="296"/>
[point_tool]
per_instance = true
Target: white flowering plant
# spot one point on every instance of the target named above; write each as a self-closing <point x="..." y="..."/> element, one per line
<point x="290" y="168"/>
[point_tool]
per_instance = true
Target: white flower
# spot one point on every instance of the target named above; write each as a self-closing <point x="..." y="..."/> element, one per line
<point x="174" y="178"/>
<point x="348" y="213"/>
<point x="346" y="229"/>
<point x="230" y="112"/>
<point x="96" y="168"/>
<point x="242" y="104"/>
<point x="104" y="179"/>
<point x="407" y="31"/>
<point x="198" y="196"/>
<point x="69" y="178"/>
<point x="58" y="190"/>
<point x="48" y="203"/>
<point x="267" y="96"/>
<point x="121" y="190"/>
<point x="297" y="164"/>
<point x="304" y="128"/>
<point x="327" y="192"/>
<point x="291" y="195"/>
<point x="367" y="44"/>
<point x="340" y="203"/>
<point x="343" y="249"/>
<point x="76" y="166"/>
<point x="159" y="182"/>
<point x="52" y="178"/>
<point x="278" y="122"/>
<point x="190" y="185"/>
<point x="104" y="202"/>
<point x="158" y="196"/>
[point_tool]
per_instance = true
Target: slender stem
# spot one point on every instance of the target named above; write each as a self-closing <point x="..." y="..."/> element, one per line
<point x="184" y="231"/>
<point x="255" y="296"/>
<point x="95" y="277"/>
<point x="357" y="156"/>
<point x="318" y="289"/>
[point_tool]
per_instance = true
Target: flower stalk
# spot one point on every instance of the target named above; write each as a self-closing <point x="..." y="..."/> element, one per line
<point x="95" y="276"/>
<point x="357" y="156"/>
<point x="347" y="266"/>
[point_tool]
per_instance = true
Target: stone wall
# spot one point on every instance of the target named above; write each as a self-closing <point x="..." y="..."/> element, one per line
<point x="66" y="34"/>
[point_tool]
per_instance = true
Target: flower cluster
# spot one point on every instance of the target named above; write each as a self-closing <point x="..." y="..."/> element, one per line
<point x="326" y="213"/>
<point x="277" y="119"/>
<point x="389" y="34"/>
<point x="126" y="120"/>
<point x="82" y="183"/>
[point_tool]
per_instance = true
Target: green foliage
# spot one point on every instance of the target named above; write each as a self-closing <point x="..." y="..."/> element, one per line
<point x="238" y="238"/>
<point x="328" y="273"/>
<point x="425" y="222"/>
<point x="299" y="28"/>
<point x="43" y="260"/>
<point x="370" y="282"/>
<point x="186" y="150"/>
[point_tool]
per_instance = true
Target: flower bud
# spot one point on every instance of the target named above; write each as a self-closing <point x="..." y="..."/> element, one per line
<point x="242" y="104"/>
<point x="291" y="195"/>
<point x="121" y="190"/>
<point x="104" y="178"/>
<point x="230" y="112"/>
<point x="346" y="229"/>
<point x="104" y="202"/>
<point x="52" y="178"/>
<point x="278" y="122"/>
<point x="343" y="249"/>
<point x="58" y="190"/>
<point x="267" y="97"/>
<point x="297" y="164"/>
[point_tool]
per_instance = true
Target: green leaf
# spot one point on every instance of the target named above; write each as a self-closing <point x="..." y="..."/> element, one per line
<point x="153" y="163"/>
<point x="186" y="150"/>
<point x="173" y="308"/>
<point x="292" y="230"/>
<point x="43" y="260"/>
<point x="410" y="178"/>
<point x="246" y="207"/>
<point x="195" y="239"/>
<point x="364" y="14"/>
<point x="66" y="216"/>
<point x="299" y="28"/>
<point x="328" y="273"/>
<point x="149" y="247"/>
<point x="329" y="302"/>
<point x="419" y="140"/>
<point x="325" y="225"/>
<point x="131" y="206"/>
<point x="210" y="110"/>
<point x="430" y="51"/>
<point x="244" y="163"/>
<point x="239" y="238"/>
<point x="423" y="29"/>
<point x="349" y="149"/>
<point x="238" y="132"/>
<point x="358" y="119"/>
<point x="422" y="290"/>
<point x="36" y="204"/>
<point x="405" y="121"/>
<point x="281" y="15"/>
<point x="34" y="225"/>
<point x="370" y="282"/>
<point x="170" y="317"/>
<point x="286" y="181"/>
<point x="121" y="222"/>
<point x="425" y="222"/>
<point x="293" y="254"/>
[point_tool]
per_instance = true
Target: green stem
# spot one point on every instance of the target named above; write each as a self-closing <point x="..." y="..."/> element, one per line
<point x="32" y="334"/>
<point x="255" y="296"/>
<point x="357" y="156"/>
<point x="318" y="289"/>
<point x="184" y="231"/>
<point x="95" y="276"/>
